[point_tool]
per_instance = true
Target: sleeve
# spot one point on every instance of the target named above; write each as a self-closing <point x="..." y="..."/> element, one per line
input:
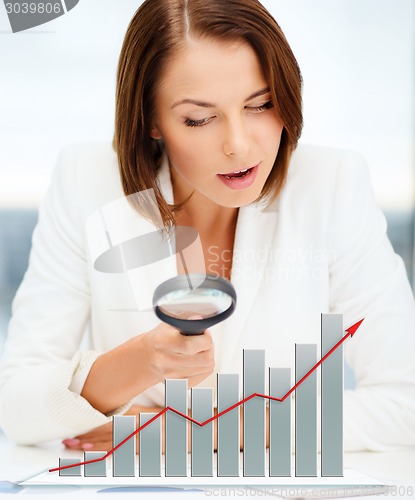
<point x="42" y="360"/>
<point x="368" y="280"/>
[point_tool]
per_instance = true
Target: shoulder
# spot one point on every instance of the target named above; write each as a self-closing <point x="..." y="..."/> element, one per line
<point x="88" y="173"/>
<point x="311" y="162"/>
<point x="320" y="181"/>
<point x="87" y="158"/>
<point x="316" y="174"/>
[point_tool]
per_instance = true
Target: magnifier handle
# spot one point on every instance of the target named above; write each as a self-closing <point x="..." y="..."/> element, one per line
<point x="195" y="316"/>
<point x="191" y="334"/>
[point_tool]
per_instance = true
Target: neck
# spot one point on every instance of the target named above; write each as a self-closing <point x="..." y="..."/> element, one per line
<point x="206" y="216"/>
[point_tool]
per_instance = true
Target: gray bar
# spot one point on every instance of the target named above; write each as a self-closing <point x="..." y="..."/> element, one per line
<point x="228" y="426"/>
<point x="254" y="413"/>
<point x="150" y="447"/>
<point x="73" y="471"/>
<point x="176" y="429"/>
<point x="332" y="397"/>
<point x="279" y="423"/>
<point x="123" y="459"/>
<point x="96" y="469"/>
<point x="202" y="437"/>
<point x="305" y="412"/>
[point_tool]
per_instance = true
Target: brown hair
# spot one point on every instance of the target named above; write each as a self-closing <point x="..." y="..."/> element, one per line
<point x="157" y="29"/>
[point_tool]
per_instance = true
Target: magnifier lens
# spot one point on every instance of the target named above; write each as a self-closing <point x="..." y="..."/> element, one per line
<point x="211" y="298"/>
<point x="183" y="304"/>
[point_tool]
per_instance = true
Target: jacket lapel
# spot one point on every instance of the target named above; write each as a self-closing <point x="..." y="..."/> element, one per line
<point x="253" y="238"/>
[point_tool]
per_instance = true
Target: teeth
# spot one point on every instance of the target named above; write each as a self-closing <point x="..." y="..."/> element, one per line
<point x="238" y="172"/>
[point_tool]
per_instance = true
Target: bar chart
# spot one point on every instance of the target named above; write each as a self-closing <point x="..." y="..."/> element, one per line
<point x="248" y="437"/>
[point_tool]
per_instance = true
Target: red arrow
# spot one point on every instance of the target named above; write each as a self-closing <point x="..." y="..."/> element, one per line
<point x="350" y="332"/>
<point x="352" y="329"/>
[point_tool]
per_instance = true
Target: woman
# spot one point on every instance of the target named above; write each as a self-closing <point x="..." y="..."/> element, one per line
<point x="208" y="117"/>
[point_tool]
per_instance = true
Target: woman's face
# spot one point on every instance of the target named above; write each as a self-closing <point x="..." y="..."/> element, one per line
<point x="215" y="116"/>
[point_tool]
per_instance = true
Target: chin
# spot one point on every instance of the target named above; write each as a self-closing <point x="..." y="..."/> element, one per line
<point x="240" y="200"/>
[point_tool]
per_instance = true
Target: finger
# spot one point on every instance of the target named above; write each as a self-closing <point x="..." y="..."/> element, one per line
<point x="187" y="368"/>
<point x="200" y="361"/>
<point x="107" y="436"/>
<point x="103" y="445"/>
<point x="103" y="429"/>
<point x="174" y="341"/>
<point x="72" y="444"/>
<point x="81" y="446"/>
<point x="192" y="344"/>
<point x="87" y="445"/>
<point x="189" y="346"/>
<point x="77" y="444"/>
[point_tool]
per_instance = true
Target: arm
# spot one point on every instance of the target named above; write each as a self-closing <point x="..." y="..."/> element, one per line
<point x="50" y="313"/>
<point x="69" y="390"/>
<point x="368" y="280"/>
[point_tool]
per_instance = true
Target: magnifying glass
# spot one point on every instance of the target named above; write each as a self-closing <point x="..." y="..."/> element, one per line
<point x="176" y="300"/>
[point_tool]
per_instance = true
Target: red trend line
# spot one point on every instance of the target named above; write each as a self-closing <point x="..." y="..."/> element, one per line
<point x="350" y="332"/>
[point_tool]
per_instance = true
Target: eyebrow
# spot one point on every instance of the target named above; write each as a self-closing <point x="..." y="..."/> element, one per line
<point x="203" y="104"/>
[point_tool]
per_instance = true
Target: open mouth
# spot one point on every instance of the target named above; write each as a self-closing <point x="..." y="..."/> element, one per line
<point x="240" y="179"/>
<point x="238" y="174"/>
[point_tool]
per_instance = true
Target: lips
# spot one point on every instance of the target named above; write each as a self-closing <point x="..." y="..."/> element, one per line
<point x="239" y="179"/>
<point x="237" y="173"/>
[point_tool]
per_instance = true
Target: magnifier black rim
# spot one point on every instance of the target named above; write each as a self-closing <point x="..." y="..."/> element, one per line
<point x="197" y="325"/>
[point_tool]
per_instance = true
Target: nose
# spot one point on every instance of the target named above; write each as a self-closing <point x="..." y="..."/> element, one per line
<point x="236" y="138"/>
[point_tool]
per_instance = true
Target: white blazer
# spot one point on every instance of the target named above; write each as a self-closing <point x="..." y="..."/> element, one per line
<point x="320" y="247"/>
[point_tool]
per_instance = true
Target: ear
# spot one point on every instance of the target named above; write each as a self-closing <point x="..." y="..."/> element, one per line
<point x="155" y="133"/>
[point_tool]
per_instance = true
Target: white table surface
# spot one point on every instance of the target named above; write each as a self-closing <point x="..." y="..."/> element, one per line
<point x="396" y="468"/>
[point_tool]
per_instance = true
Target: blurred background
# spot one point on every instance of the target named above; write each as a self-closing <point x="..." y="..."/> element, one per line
<point x="57" y="86"/>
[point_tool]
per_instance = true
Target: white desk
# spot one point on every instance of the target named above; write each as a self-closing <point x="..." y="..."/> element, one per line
<point x="20" y="462"/>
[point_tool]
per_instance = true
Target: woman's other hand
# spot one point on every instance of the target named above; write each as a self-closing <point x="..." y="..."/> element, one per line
<point x="100" y="438"/>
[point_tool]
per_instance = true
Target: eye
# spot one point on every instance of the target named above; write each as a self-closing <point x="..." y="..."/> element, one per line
<point x="196" y="123"/>
<point x="262" y="107"/>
